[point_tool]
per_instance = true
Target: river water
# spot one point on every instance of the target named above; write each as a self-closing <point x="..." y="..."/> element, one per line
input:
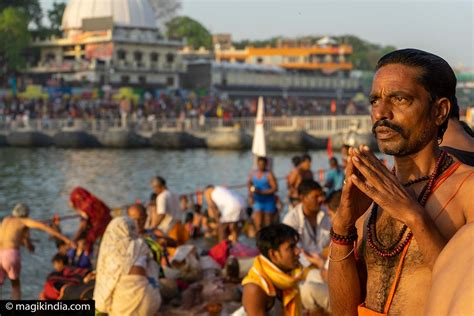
<point x="43" y="178"/>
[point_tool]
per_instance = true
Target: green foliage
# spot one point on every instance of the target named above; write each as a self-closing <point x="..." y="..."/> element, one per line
<point x="55" y="16"/>
<point x="14" y="39"/>
<point x="194" y="32"/>
<point x="365" y="54"/>
<point x="31" y="9"/>
<point x="256" y="43"/>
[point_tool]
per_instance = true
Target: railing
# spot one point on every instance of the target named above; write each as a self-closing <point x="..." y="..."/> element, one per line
<point x="317" y="125"/>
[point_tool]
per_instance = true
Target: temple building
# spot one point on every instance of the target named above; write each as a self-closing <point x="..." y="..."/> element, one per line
<point x="109" y="42"/>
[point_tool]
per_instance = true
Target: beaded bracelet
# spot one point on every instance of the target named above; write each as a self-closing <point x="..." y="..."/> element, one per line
<point x="344" y="239"/>
<point x="342" y="242"/>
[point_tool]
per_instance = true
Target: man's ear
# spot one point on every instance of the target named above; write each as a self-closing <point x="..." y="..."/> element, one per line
<point x="442" y="110"/>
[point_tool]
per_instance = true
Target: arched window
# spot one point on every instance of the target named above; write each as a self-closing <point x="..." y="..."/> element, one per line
<point x="154" y="57"/>
<point x="137" y="56"/>
<point x="121" y="54"/>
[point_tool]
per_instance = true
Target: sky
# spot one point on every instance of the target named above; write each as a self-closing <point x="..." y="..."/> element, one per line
<point x="443" y="27"/>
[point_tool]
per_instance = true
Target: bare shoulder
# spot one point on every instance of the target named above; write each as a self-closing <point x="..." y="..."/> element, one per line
<point x="254" y="299"/>
<point x="465" y="187"/>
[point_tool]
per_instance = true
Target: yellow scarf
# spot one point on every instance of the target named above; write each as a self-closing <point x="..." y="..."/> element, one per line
<point x="269" y="278"/>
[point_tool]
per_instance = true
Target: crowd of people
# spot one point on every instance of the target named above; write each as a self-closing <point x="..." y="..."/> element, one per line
<point x="164" y="107"/>
<point x="367" y="240"/>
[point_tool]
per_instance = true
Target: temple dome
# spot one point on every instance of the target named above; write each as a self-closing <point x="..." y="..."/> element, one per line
<point x="125" y="13"/>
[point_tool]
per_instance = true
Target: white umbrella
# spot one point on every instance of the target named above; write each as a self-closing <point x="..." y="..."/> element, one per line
<point x="259" y="147"/>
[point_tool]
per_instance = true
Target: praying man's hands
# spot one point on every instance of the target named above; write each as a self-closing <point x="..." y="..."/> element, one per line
<point x="354" y="202"/>
<point x="382" y="186"/>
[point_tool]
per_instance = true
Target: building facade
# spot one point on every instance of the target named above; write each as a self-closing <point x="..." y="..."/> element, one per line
<point x="236" y="79"/>
<point x="109" y="42"/>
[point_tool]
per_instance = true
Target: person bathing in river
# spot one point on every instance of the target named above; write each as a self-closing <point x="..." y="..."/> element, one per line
<point x="227" y="208"/>
<point x="262" y="186"/>
<point x="95" y="216"/>
<point x="14" y="232"/>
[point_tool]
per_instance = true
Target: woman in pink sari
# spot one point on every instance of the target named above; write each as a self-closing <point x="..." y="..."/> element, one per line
<point x="95" y="216"/>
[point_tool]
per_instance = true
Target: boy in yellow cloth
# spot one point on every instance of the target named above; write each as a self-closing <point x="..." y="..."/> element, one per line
<point x="271" y="286"/>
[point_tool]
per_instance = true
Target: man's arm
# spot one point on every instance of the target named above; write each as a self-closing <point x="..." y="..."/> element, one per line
<point x="254" y="300"/>
<point x="30" y="223"/>
<point x="212" y="207"/>
<point x="346" y="281"/>
<point x="27" y="241"/>
<point x="344" y="278"/>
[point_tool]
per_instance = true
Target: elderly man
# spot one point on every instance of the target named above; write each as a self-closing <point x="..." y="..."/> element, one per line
<point x="14" y="232"/>
<point x="401" y="218"/>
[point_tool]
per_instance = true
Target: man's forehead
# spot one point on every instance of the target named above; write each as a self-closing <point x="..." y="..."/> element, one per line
<point x="395" y="77"/>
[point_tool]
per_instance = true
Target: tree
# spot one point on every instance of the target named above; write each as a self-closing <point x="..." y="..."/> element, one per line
<point x="14" y="39"/>
<point x="194" y="32"/>
<point x="55" y="16"/>
<point x="31" y="8"/>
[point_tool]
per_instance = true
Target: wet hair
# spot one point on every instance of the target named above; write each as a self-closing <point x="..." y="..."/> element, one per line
<point x="264" y="159"/>
<point x="334" y="200"/>
<point x="307" y="186"/>
<point x="210" y="186"/>
<point x="305" y="157"/>
<point x="60" y="258"/>
<point x="271" y="237"/>
<point x="296" y="160"/>
<point x="161" y="181"/>
<point x="21" y="210"/>
<point x="436" y="76"/>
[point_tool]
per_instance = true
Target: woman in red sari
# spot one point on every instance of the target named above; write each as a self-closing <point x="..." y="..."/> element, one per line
<point x="95" y="216"/>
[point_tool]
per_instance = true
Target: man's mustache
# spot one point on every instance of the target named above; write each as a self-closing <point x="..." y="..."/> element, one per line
<point x="387" y="123"/>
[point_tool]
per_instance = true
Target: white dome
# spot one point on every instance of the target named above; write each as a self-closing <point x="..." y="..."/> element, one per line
<point x="128" y="13"/>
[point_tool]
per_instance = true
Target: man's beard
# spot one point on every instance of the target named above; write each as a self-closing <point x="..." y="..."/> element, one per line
<point x="405" y="148"/>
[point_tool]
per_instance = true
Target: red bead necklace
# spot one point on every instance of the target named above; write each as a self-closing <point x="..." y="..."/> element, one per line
<point x="442" y="163"/>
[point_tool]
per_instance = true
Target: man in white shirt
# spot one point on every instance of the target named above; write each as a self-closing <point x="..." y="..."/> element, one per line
<point x="168" y="218"/>
<point x="313" y="226"/>
<point x="227" y="208"/>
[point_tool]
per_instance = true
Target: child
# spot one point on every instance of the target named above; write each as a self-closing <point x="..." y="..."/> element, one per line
<point x="79" y="257"/>
<point x="59" y="263"/>
<point x="62" y="248"/>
